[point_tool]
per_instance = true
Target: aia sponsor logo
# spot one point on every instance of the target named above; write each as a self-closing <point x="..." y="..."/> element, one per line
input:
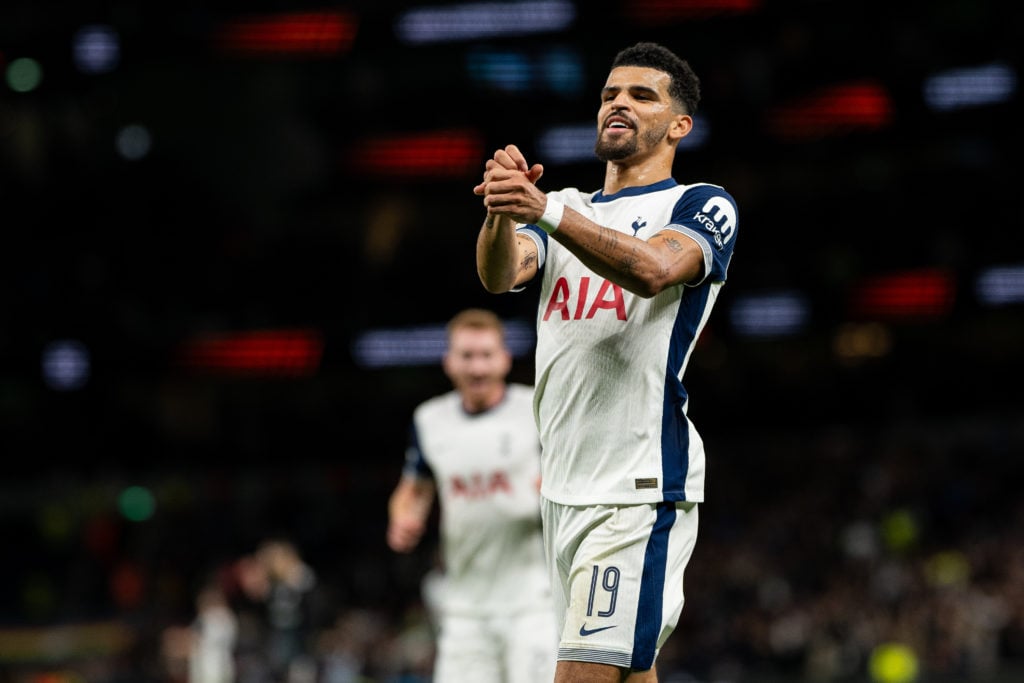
<point x="578" y="303"/>
<point x="480" y="484"/>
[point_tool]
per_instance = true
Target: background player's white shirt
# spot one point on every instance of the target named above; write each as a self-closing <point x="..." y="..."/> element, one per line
<point x="486" y="468"/>
<point x="609" y="398"/>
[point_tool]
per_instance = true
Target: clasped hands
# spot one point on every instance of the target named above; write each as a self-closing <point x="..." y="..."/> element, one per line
<point x="510" y="187"/>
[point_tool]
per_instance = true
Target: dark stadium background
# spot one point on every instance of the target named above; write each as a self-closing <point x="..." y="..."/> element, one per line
<point x="205" y="302"/>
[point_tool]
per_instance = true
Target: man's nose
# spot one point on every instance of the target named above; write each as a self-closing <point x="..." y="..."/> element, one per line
<point x="620" y="101"/>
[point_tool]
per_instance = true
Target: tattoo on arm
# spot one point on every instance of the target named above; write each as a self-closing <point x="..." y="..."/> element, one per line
<point x="630" y="260"/>
<point x="489" y="223"/>
<point x="608" y="243"/>
<point x="673" y="244"/>
<point x="529" y="259"/>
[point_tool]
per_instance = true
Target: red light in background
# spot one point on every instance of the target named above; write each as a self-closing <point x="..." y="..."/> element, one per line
<point x="835" y="110"/>
<point x="101" y="535"/>
<point x="657" y="11"/>
<point x="292" y="353"/>
<point x="454" y="153"/>
<point x="295" y="33"/>
<point x="127" y="585"/>
<point x="922" y="294"/>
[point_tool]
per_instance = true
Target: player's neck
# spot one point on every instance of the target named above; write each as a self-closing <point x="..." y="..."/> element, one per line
<point x="481" y="404"/>
<point x="619" y="175"/>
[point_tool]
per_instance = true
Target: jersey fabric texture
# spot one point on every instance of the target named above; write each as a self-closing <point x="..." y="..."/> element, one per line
<point x="609" y="398"/>
<point x="485" y="467"/>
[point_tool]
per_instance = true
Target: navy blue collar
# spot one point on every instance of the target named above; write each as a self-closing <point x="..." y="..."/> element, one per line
<point x="665" y="184"/>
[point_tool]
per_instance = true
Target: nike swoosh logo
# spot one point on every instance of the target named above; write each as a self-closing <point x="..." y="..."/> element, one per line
<point x="584" y="631"/>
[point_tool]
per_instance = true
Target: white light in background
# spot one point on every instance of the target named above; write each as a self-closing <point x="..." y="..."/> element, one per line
<point x="483" y="20"/>
<point x="96" y="49"/>
<point x="568" y="144"/>
<point x="1001" y="285"/>
<point x="770" y="315"/>
<point x="574" y="143"/>
<point x="970" y="87"/>
<point x="425" y="345"/>
<point x="133" y="142"/>
<point x="66" y="365"/>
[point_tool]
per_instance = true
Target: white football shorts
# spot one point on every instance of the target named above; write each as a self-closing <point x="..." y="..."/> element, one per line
<point x="514" y="648"/>
<point x="617" y="577"/>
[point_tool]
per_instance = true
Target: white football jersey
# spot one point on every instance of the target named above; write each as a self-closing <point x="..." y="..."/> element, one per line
<point x="486" y="469"/>
<point x="609" y="399"/>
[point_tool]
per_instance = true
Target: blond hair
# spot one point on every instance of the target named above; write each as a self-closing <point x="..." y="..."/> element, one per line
<point x="476" y="319"/>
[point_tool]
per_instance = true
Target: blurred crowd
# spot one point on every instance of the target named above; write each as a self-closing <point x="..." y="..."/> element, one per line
<point x="909" y="544"/>
<point x="263" y="619"/>
<point x="842" y="555"/>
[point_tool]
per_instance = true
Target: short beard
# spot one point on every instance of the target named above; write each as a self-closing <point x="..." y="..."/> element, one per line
<point x="627" y="148"/>
<point x="616" y="152"/>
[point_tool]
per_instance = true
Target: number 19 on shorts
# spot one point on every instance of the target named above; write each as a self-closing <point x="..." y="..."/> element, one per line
<point x="609" y="582"/>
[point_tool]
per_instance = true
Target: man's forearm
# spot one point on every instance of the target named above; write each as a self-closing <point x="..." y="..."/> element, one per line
<point x="497" y="253"/>
<point x="634" y="264"/>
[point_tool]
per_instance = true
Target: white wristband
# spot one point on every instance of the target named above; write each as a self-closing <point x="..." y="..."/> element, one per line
<point x="552" y="216"/>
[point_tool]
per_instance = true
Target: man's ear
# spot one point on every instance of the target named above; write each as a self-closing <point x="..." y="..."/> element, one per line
<point x="681" y="126"/>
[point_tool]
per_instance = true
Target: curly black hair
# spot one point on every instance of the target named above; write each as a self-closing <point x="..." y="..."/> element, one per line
<point x="685" y="86"/>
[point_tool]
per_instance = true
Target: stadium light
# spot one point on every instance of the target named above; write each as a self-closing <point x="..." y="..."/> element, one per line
<point x="835" y="110"/>
<point x="556" y="70"/>
<point x="970" y="87"/>
<point x="66" y="365"/>
<point x="472" y="21"/>
<point x="426" y="344"/>
<point x="921" y="294"/>
<point x="775" y="314"/>
<point x="573" y="143"/>
<point x="24" y="74"/>
<point x="96" y="49"/>
<point x="322" y="33"/>
<point x="1000" y="286"/>
<point x="285" y="352"/>
<point x="447" y="154"/>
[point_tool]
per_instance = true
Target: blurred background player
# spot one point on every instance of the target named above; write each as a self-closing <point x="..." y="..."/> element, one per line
<point x="291" y="611"/>
<point x="476" y="449"/>
<point x="212" y="655"/>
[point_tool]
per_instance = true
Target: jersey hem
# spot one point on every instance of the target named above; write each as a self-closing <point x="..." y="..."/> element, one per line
<point x="572" y="654"/>
<point x="657" y="497"/>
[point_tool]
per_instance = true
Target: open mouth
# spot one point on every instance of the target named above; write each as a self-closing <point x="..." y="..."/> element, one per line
<point x="618" y="123"/>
